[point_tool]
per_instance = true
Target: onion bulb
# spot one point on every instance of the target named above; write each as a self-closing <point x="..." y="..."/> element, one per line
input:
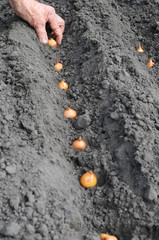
<point x="70" y="113"/>
<point x="52" y="42"/>
<point x="88" y="179"/>
<point x="140" y="49"/>
<point x="58" y="66"/>
<point x="104" y="236"/>
<point x="150" y="63"/>
<point x="79" y="144"/>
<point x="63" y="85"/>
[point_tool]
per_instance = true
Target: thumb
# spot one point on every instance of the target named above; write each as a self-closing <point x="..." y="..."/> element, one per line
<point x="42" y="34"/>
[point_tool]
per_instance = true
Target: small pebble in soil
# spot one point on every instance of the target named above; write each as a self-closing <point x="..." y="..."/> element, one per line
<point x="135" y="238"/>
<point x="2" y="175"/>
<point x="30" y="228"/>
<point x="82" y="121"/>
<point x="151" y="194"/>
<point x="43" y="230"/>
<point x="11" y="230"/>
<point x="14" y="202"/>
<point x="11" y="169"/>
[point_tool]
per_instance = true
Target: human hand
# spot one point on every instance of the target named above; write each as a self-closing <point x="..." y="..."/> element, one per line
<point x="37" y="15"/>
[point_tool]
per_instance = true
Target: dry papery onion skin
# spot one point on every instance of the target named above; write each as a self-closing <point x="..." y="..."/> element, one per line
<point x="63" y="85"/>
<point x="79" y="144"/>
<point x="58" y="66"/>
<point x="70" y="113"/>
<point x="88" y="179"/>
<point x="52" y="42"/>
<point x="104" y="236"/>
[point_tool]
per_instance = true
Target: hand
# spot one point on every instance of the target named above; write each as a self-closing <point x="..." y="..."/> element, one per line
<point x="37" y="15"/>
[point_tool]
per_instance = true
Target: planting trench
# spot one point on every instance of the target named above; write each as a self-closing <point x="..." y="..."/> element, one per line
<point x="116" y="97"/>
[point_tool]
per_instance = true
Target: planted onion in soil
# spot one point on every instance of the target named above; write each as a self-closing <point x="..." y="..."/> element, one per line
<point x="140" y="49"/>
<point x="58" y="66"/>
<point x="63" y="85"/>
<point x="88" y="179"/>
<point x="104" y="236"/>
<point x="150" y="63"/>
<point x="70" y="113"/>
<point x="52" y="42"/>
<point x="79" y="144"/>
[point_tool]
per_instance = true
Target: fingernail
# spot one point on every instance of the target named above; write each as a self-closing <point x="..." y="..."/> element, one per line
<point x="59" y="42"/>
<point x="44" y="40"/>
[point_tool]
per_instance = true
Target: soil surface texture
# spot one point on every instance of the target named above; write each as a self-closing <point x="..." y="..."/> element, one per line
<point x="116" y="97"/>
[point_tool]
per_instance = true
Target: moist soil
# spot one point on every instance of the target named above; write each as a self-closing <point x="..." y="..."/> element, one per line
<point x="116" y="97"/>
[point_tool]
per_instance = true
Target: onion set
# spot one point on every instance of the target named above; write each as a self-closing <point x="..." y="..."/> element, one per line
<point x="140" y="49"/>
<point x="63" y="85"/>
<point x="79" y="144"/>
<point x="70" y="113"/>
<point x="104" y="236"/>
<point x="58" y="66"/>
<point x="150" y="63"/>
<point x="88" y="179"/>
<point x="52" y="42"/>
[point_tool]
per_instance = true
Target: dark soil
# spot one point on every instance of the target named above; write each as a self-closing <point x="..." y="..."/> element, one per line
<point x="116" y="97"/>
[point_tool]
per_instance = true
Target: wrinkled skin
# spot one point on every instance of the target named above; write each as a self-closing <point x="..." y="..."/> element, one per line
<point x="37" y="15"/>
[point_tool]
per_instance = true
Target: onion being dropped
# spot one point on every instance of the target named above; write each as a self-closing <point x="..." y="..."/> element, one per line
<point x="104" y="236"/>
<point x="70" y="113"/>
<point x="63" y="85"/>
<point x="52" y="42"/>
<point x="58" y="66"/>
<point x="79" y="144"/>
<point x="88" y="179"/>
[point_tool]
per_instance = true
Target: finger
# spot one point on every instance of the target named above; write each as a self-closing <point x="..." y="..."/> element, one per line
<point x="53" y="35"/>
<point x="57" y="33"/>
<point x="56" y="29"/>
<point x="62" y="27"/>
<point x="61" y="23"/>
<point x="42" y="34"/>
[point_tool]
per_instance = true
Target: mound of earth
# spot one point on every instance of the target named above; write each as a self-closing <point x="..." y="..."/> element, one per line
<point x="116" y="97"/>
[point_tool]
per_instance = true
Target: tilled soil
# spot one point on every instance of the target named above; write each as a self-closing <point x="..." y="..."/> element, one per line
<point x="116" y="97"/>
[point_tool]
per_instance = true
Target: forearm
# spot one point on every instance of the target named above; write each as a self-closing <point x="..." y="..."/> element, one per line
<point x="19" y="3"/>
<point x="23" y="8"/>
